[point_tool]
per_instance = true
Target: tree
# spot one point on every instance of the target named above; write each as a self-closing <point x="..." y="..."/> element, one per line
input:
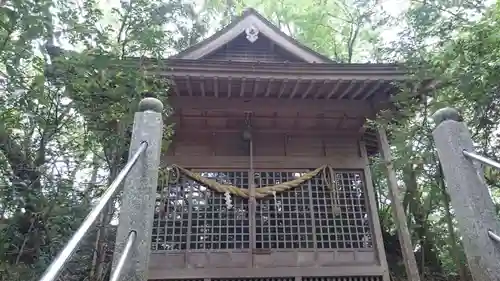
<point x="71" y="76"/>
<point x="70" y="87"/>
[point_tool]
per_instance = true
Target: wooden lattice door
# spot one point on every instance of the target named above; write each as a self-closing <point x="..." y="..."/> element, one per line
<point x="191" y="217"/>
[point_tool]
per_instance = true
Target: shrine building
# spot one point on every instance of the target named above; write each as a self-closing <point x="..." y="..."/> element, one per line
<point x="267" y="176"/>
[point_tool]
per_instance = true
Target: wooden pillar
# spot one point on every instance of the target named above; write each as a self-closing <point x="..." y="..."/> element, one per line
<point x="397" y="208"/>
<point x="372" y="206"/>
<point x="474" y="209"/>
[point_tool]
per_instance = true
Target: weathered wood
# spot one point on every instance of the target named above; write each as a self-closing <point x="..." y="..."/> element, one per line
<point x="263" y="162"/>
<point x="372" y="206"/>
<point x="351" y="108"/>
<point x="397" y="209"/>
<point x="474" y="209"/>
<point x="289" y="144"/>
<point x="303" y="116"/>
<point x="159" y="272"/>
<point x="243" y="73"/>
<point x="354" y="133"/>
<point x="286" y="87"/>
<point x="251" y="18"/>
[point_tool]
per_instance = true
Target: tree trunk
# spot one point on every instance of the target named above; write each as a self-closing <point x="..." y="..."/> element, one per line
<point x="429" y="257"/>
<point x="100" y="229"/>
<point x="454" y="251"/>
<point x="397" y="207"/>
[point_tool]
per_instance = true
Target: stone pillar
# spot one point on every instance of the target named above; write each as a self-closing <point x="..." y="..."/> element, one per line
<point x="474" y="209"/>
<point x="139" y="191"/>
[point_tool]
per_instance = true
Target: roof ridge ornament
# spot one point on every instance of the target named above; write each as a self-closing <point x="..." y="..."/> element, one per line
<point x="252" y="33"/>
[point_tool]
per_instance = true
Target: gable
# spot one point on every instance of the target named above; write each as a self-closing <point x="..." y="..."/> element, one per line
<point x="262" y="50"/>
<point x="249" y="34"/>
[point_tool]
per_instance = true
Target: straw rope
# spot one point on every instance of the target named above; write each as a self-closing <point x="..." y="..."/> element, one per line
<point x="326" y="171"/>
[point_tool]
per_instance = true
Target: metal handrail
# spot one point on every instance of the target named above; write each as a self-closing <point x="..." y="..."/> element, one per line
<point x="481" y="159"/>
<point x="57" y="265"/>
<point x="492" y="163"/>
<point x="115" y="275"/>
<point x="493" y="236"/>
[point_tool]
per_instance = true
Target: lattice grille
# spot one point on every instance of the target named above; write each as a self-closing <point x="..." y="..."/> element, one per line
<point x="332" y="278"/>
<point x="284" y="221"/>
<point x="171" y="217"/>
<point x="214" y="226"/>
<point x="345" y="223"/>
<point x="307" y="217"/>
<point x="255" y="279"/>
<point x="194" y="217"/>
<point x="345" y="278"/>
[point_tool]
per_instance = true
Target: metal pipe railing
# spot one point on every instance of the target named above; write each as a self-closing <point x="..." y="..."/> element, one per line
<point x="58" y="264"/>
<point x="492" y="163"/>
<point x="481" y="159"/>
<point x="493" y="236"/>
<point x="115" y="275"/>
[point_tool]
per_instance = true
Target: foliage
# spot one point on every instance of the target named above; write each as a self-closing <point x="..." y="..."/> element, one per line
<point x="66" y="109"/>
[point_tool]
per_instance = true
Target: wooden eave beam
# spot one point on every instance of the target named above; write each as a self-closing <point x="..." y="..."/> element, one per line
<point x="216" y="86"/>
<point x="295" y="88"/>
<point x="344" y="67"/>
<point x="361" y="89"/>
<point x="265" y="104"/>
<point x="282" y="75"/>
<point x="189" y="86"/>
<point x="375" y="88"/>
<point x="282" y="88"/>
<point x="202" y="87"/>
<point x="242" y="87"/>
<point x="282" y="71"/>
<point x="274" y="116"/>
<point x="288" y="131"/>
<point x="346" y="91"/>
<point x="256" y="87"/>
<point x="268" y="89"/>
<point x="306" y="93"/>
<point x="318" y="92"/>
<point x="334" y="89"/>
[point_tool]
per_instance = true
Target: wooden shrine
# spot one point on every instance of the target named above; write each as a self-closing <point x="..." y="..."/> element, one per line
<point x="256" y="112"/>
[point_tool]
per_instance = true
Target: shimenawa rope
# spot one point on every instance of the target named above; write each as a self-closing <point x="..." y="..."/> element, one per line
<point x="327" y="173"/>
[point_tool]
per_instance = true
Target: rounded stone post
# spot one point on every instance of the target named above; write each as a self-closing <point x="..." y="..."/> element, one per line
<point x="469" y="196"/>
<point x="139" y="191"/>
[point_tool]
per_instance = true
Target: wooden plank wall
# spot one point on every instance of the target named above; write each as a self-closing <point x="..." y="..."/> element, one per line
<point x="271" y="151"/>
